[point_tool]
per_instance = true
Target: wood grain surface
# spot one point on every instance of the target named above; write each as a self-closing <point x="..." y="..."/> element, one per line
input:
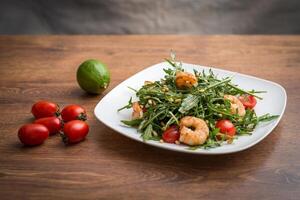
<point x="110" y="166"/>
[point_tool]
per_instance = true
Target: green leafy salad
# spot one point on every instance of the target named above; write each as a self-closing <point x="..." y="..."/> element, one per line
<point x="196" y="109"/>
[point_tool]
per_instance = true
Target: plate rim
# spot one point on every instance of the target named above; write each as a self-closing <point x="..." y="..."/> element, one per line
<point x="156" y="144"/>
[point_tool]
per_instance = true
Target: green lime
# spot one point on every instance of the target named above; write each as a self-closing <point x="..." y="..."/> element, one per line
<point x="93" y="76"/>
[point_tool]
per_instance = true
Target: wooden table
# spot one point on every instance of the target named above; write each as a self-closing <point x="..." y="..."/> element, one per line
<point x="110" y="166"/>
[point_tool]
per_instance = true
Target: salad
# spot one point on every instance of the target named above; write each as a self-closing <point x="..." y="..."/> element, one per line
<point x="196" y="109"/>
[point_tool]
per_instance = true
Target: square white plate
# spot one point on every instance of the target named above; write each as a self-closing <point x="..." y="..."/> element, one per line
<point x="274" y="102"/>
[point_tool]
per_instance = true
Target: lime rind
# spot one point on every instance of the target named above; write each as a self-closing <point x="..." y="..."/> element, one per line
<point x="93" y="76"/>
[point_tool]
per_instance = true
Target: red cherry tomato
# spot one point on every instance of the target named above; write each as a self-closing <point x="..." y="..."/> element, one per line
<point x="75" y="131"/>
<point x="171" y="134"/>
<point x="73" y="112"/>
<point x="144" y="109"/>
<point x="248" y="101"/>
<point x="44" y="109"/>
<point x="33" y="134"/>
<point x="53" y="124"/>
<point x="226" y="127"/>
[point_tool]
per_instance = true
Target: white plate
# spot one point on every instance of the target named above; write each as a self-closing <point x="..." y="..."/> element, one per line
<point x="274" y="102"/>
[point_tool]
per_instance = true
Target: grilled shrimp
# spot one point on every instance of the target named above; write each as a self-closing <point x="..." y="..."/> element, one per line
<point x="193" y="130"/>
<point x="137" y="112"/>
<point x="185" y="80"/>
<point x="236" y="105"/>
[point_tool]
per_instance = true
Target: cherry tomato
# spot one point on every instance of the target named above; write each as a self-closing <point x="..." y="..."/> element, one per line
<point x="75" y="131"/>
<point x="226" y="127"/>
<point x="53" y="124"/>
<point x="248" y="101"/>
<point x="44" y="109"/>
<point x="171" y="134"/>
<point x="33" y="134"/>
<point x="144" y="109"/>
<point x="73" y="112"/>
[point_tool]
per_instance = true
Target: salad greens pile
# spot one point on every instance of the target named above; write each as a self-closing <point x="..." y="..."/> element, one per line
<point x="164" y="104"/>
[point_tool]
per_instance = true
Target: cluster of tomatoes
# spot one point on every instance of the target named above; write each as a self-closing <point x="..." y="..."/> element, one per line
<point x="226" y="126"/>
<point x="71" y="125"/>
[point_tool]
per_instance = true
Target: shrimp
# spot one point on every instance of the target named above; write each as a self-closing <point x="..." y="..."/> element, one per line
<point x="185" y="80"/>
<point x="236" y="105"/>
<point x="137" y="112"/>
<point x="195" y="136"/>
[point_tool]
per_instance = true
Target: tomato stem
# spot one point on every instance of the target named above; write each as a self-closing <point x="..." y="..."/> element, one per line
<point x="64" y="137"/>
<point x="57" y="113"/>
<point x="82" y="117"/>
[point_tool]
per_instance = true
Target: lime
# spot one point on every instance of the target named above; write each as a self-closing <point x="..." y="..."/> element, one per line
<point x="93" y="76"/>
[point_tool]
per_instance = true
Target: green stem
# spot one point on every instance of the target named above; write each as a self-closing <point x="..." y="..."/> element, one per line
<point x="244" y="91"/>
<point x="173" y="116"/>
<point x="151" y="119"/>
<point x="217" y="84"/>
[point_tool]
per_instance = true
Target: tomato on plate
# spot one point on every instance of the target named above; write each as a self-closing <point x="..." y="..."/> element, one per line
<point x="226" y="127"/>
<point x="73" y="112"/>
<point x="33" y="134"/>
<point x="53" y="124"/>
<point x="144" y="109"/>
<point x="75" y="131"/>
<point x="171" y="134"/>
<point x="248" y="101"/>
<point x="44" y="109"/>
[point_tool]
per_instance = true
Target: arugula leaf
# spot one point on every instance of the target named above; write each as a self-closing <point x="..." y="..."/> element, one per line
<point x="210" y="143"/>
<point x="129" y="105"/>
<point x="267" y="117"/>
<point x="213" y="133"/>
<point x="188" y="103"/>
<point x="147" y="134"/>
<point x="132" y="123"/>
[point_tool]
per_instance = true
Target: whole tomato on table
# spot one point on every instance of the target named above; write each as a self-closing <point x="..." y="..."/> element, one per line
<point x="73" y="112"/>
<point x="54" y="124"/>
<point x="45" y="109"/>
<point x="33" y="134"/>
<point x="75" y="131"/>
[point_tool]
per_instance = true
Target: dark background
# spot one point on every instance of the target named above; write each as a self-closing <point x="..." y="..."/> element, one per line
<point x="150" y="17"/>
